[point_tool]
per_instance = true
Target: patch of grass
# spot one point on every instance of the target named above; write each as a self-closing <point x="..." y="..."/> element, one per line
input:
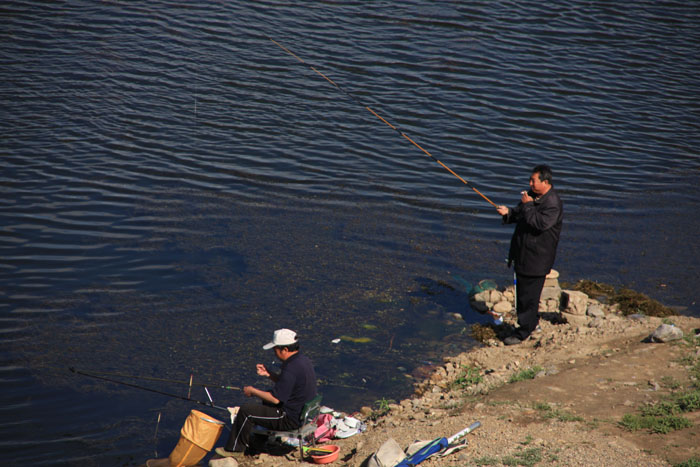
<point x="695" y="374"/>
<point x="547" y="412"/>
<point x="381" y="408"/>
<point x="528" y="373"/>
<point x="468" y="377"/>
<point x="687" y="401"/>
<point x="527" y="457"/>
<point x="670" y="383"/>
<point x="662" y="425"/>
<point x="486" y="461"/>
<point x="664" y="416"/>
<point x="692" y="462"/>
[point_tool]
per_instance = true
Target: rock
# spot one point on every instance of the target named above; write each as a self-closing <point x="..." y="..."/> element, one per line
<point x="223" y="462"/>
<point x="503" y="307"/>
<point x="495" y="296"/>
<point x="595" y="310"/>
<point x="596" y="322"/>
<point x="550" y="293"/>
<point x="574" y="302"/>
<point x="552" y="279"/>
<point x="576" y="321"/>
<point x="482" y="296"/>
<point x="666" y="333"/>
<point x="509" y="294"/>
<point x="549" y="306"/>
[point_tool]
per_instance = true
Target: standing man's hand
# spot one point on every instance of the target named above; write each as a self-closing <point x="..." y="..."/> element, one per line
<point x="502" y="210"/>
<point x="526" y="198"/>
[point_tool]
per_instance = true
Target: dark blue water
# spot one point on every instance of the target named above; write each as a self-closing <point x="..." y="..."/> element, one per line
<point x="175" y="186"/>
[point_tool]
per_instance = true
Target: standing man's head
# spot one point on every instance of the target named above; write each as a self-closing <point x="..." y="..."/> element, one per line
<point x="284" y="342"/>
<point x="541" y="179"/>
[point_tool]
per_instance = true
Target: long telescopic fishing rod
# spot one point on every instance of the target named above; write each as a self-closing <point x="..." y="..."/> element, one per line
<point x="404" y="135"/>
<point x="136" y="386"/>
<point x="165" y="380"/>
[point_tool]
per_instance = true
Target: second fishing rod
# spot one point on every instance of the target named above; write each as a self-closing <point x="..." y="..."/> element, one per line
<point x="393" y="127"/>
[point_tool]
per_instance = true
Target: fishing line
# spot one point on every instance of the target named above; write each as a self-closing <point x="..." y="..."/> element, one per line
<point x="162" y="380"/>
<point x="404" y="135"/>
<point x="136" y="386"/>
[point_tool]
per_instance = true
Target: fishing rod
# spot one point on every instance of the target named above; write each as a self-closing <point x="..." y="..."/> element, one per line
<point x="136" y="386"/>
<point x="404" y="135"/>
<point x="165" y="380"/>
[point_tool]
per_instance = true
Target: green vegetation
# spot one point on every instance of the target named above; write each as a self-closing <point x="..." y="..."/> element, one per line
<point x="526" y="374"/>
<point x="381" y="408"/>
<point x="548" y="412"/>
<point x="692" y="462"/>
<point x="664" y="416"/>
<point x="468" y="377"/>
<point x="629" y="301"/>
<point x="662" y="425"/>
<point x="483" y="333"/>
<point x="526" y="457"/>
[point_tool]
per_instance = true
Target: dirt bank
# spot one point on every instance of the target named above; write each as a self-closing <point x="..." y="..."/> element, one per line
<point x="567" y="415"/>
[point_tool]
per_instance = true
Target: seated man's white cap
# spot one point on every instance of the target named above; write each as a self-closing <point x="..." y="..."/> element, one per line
<point x="281" y="337"/>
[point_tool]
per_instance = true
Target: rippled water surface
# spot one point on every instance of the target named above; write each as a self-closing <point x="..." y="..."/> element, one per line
<point x="175" y="185"/>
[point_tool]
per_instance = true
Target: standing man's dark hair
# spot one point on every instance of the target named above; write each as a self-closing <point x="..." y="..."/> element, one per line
<point x="545" y="173"/>
<point x="533" y="247"/>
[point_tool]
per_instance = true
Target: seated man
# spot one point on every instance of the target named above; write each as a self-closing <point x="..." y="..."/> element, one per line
<point x="281" y="407"/>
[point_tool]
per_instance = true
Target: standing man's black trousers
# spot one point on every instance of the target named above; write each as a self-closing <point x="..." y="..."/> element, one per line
<point x="528" y="291"/>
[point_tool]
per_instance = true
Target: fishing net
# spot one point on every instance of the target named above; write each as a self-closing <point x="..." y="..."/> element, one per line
<point x="486" y="284"/>
<point x="197" y="436"/>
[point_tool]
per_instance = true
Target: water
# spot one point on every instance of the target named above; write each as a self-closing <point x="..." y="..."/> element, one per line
<point x="176" y="186"/>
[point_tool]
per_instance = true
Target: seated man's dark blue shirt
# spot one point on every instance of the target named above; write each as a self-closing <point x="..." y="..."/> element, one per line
<point x="296" y="385"/>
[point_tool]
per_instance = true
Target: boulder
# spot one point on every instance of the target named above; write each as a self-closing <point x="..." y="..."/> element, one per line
<point x="574" y="302"/>
<point x="550" y="293"/>
<point x="666" y="333"/>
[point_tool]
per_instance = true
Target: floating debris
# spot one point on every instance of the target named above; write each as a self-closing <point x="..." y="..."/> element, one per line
<point x="357" y="340"/>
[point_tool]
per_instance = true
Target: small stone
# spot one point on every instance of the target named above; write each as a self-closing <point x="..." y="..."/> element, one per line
<point x="223" y="462"/>
<point x="595" y="310"/>
<point x="503" y="307"/>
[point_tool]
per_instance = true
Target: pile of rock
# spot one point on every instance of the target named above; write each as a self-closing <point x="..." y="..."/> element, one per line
<point x="571" y="306"/>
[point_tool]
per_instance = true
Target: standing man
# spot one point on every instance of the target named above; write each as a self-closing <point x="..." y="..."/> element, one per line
<point x="281" y="406"/>
<point x="533" y="247"/>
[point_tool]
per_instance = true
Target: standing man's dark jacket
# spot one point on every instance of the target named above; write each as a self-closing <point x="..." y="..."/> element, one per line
<point x="533" y="246"/>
